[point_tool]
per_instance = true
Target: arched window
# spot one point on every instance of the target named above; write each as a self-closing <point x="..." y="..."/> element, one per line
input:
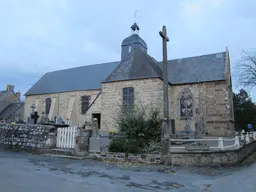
<point x="48" y="103"/>
<point x="186" y="103"/>
<point x="128" y="98"/>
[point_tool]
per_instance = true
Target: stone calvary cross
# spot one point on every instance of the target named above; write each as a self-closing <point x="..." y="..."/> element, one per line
<point x="34" y="115"/>
<point x="165" y="140"/>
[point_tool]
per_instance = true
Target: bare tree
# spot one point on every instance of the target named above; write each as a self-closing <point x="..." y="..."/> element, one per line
<point x="247" y="69"/>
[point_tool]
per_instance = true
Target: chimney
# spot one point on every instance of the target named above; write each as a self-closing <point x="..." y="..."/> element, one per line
<point x="18" y="95"/>
<point x="10" y="88"/>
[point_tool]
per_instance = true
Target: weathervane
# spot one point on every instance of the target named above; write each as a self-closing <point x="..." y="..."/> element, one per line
<point x="135" y="15"/>
<point x="135" y="28"/>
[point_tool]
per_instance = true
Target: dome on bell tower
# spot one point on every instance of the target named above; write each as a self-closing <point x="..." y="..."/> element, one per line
<point x="134" y="41"/>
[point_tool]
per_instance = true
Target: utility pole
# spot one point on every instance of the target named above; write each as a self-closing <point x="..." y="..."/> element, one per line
<point x="165" y="136"/>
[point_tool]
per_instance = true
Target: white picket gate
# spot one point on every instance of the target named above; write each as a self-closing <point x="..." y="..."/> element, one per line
<point x="66" y="137"/>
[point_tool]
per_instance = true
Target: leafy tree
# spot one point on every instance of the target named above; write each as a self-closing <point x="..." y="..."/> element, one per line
<point x="245" y="110"/>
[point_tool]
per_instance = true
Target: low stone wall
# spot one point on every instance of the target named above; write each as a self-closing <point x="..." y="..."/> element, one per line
<point x="140" y="158"/>
<point x="189" y="158"/>
<point x="23" y="136"/>
<point x="212" y="159"/>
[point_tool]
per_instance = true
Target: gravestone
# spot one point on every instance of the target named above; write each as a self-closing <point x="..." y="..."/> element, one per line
<point x="187" y="130"/>
<point x="58" y="120"/>
<point x="94" y="141"/>
<point x="44" y="119"/>
<point x="67" y="121"/>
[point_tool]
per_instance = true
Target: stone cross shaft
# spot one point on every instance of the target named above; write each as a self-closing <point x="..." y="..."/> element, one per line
<point x="165" y="140"/>
<point x="165" y="39"/>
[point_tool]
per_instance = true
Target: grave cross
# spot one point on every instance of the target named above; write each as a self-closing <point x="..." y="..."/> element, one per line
<point x="165" y="140"/>
<point x="34" y="116"/>
<point x="33" y="108"/>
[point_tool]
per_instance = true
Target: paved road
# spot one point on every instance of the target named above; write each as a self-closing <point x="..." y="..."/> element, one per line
<point x="27" y="173"/>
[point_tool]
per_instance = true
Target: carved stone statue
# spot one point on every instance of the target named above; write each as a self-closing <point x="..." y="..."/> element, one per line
<point x="95" y="129"/>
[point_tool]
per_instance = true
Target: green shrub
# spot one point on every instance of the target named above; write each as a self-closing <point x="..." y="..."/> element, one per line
<point x="117" y="144"/>
<point x="139" y="128"/>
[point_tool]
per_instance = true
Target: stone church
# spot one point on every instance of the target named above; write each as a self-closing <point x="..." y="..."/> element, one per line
<point x="200" y="89"/>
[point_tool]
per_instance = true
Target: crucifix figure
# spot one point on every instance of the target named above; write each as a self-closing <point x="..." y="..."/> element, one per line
<point x="165" y="140"/>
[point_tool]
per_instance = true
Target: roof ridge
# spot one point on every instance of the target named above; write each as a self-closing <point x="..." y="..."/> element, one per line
<point x="91" y="65"/>
<point x="195" y="56"/>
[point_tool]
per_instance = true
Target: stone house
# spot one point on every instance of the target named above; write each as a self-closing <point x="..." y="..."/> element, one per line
<point x="11" y="108"/>
<point x="200" y="89"/>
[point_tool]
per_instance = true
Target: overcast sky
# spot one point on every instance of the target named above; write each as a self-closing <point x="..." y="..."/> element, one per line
<point x="38" y="36"/>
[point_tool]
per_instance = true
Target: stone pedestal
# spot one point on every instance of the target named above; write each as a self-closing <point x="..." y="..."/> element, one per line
<point x="94" y="145"/>
<point x="51" y="141"/>
<point x="82" y="140"/>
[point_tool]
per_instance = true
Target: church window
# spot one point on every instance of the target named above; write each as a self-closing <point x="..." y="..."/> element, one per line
<point x="48" y="103"/>
<point x="128" y="98"/>
<point x="186" y="104"/>
<point x="85" y="103"/>
<point x="130" y="49"/>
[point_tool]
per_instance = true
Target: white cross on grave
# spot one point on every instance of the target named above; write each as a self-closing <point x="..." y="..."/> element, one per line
<point x="33" y="107"/>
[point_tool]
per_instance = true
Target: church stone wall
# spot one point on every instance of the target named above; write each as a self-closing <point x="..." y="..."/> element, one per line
<point x="76" y="117"/>
<point x="212" y="100"/>
<point x="147" y="93"/>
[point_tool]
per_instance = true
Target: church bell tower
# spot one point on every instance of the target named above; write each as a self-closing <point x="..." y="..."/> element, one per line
<point x="134" y="41"/>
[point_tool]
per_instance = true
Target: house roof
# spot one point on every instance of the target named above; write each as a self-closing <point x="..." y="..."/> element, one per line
<point x="138" y="65"/>
<point x="11" y="109"/>
<point x="203" y="68"/>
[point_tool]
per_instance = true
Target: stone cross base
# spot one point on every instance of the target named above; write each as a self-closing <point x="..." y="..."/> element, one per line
<point x="94" y="145"/>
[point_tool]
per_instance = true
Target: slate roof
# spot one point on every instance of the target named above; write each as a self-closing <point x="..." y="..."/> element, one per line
<point x="11" y="109"/>
<point x="203" y="68"/>
<point x="133" y="39"/>
<point x="74" y="79"/>
<point x="138" y="65"/>
<point x="2" y="93"/>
